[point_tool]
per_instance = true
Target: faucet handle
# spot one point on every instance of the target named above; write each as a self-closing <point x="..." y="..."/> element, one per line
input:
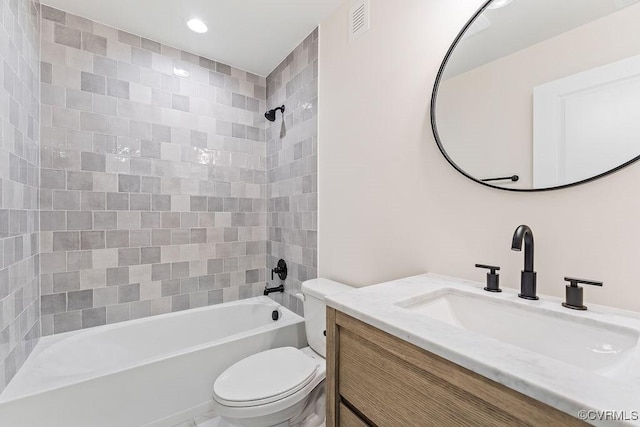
<point x="493" y="278"/>
<point x="575" y="294"/>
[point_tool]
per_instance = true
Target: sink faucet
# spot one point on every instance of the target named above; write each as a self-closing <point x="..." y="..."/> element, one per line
<point x="528" y="276"/>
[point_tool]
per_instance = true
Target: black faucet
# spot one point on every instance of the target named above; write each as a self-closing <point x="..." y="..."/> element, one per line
<point x="528" y="276"/>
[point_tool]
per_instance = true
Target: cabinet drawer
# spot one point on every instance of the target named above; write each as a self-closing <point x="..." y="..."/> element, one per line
<point x="394" y="383"/>
<point x="349" y="419"/>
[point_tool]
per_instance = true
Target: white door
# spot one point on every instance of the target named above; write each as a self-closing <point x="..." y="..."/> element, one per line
<point x="586" y="124"/>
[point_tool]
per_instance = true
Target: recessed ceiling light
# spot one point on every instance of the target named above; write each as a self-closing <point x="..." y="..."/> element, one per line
<point x="197" y="25"/>
<point x="497" y="4"/>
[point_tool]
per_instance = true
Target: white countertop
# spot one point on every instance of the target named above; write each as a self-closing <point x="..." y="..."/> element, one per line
<point x="565" y="387"/>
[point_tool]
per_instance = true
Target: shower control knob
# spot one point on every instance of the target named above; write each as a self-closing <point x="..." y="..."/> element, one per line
<point x="280" y="270"/>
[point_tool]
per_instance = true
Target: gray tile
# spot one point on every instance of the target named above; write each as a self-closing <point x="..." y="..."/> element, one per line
<point x="118" y="201"/>
<point x="180" y="102"/>
<point x="117" y="238"/>
<point x="150" y="184"/>
<point x="79" y="220"/>
<point x="105" y="66"/>
<point x="139" y="238"/>
<point x="215" y="297"/>
<point x="160" y="272"/>
<point x="222" y="68"/>
<point x="94" y="83"/>
<point x="66" y="282"/>
<point x="215" y="204"/>
<point x="160" y="237"/>
<point x="66" y="36"/>
<point x="79" y="300"/>
<point x="170" y="288"/>
<point x="150" y="45"/>
<point x="150" y="255"/>
<point x="140" y="202"/>
<point x="53" y="220"/>
<point x="52" y="304"/>
<point x="79" y="261"/>
<point x="117" y="276"/>
<point x="150" y="149"/>
<point x="94" y="43"/>
<point x="128" y="38"/>
<point x="129" y="293"/>
<point x="141" y="57"/>
<point x="92" y="240"/>
<point x="66" y="241"/>
<point x="92" y="201"/>
<point x="150" y="219"/>
<point x="78" y="100"/>
<point x="105" y="220"/>
<point x="94" y="317"/>
<point x="46" y="72"/>
<point x="105" y="296"/>
<point x="170" y="220"/>
<point x="53" y="14"/>
<point x="198" y="204"/>
<point x="179" y="270"/>
<point x="160" y="133"/>
<point x="160" y="202"/>
<point x="79" y="180"/>
<point x="128" y="183"/>
<point x="180" y="303"/>
<point x="198" y="235"/>
<point x="53" y="262"/>
<point x="206" y="283"/>
<point x="128" y="257"/>
<point x="67" y="322"/>
<point x="118" y="88"/>
<point x="93" y="162"/>
<point x="215" y="266"/>
<point x="140" y="309"/>
<point x="252" y="276"/>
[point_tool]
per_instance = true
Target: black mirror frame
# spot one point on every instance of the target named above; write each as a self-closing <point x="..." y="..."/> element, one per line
<point x="436" y="135"/>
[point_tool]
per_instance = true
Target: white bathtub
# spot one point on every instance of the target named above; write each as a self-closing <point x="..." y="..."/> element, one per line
<point x="157" y="371"/>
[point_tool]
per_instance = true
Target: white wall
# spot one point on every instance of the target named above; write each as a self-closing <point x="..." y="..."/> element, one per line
<point x="390" y="204"/>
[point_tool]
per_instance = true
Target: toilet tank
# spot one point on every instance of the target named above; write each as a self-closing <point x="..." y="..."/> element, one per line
<point x="315" y="310"/>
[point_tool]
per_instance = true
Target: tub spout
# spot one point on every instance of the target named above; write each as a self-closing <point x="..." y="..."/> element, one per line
<point x="268" y="290"/>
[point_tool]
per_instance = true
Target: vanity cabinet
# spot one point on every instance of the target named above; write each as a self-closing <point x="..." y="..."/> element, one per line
<point x="376" y="379"/>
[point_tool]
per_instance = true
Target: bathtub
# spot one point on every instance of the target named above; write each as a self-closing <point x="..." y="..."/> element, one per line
<point x="154" y="372"/>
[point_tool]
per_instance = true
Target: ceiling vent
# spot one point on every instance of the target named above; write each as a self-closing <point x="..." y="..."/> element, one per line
<point x="358" y="19"/>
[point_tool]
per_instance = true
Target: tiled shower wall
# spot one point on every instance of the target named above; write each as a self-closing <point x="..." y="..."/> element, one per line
<point x="153" y="182"/>
<point x="292" y="170"/>
<point x="19" y="158"/>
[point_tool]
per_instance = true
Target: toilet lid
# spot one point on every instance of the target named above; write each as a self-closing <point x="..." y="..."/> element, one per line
<point x="265" y="377"/>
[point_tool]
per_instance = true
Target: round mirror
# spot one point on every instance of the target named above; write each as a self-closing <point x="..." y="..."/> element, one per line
<point x="541" y="94"/>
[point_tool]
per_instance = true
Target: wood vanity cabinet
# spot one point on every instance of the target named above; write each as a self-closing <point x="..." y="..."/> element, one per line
<point x="376" y="379"/>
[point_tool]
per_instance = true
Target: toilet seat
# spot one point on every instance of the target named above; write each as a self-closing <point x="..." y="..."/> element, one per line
<point x="265" y="377"/>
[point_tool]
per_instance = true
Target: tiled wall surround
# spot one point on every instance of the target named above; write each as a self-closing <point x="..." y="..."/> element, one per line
<point x="292" y="168"/>
<point x="19" y="158"/>
<point x="153" y="185"/>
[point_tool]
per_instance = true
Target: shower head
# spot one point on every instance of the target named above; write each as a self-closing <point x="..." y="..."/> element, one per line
<point x="271" y="114"/>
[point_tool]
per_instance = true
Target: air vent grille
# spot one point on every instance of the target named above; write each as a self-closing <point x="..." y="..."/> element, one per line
<point x="358" y="19"/>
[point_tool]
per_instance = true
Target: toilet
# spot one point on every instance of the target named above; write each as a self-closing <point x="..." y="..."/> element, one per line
<point x="269" y="388"/>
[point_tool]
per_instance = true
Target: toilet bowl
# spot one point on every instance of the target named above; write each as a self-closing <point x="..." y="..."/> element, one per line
<point x="273" y="387"/>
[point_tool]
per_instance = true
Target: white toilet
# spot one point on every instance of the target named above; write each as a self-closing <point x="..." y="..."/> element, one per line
<point x="269" y="388"/>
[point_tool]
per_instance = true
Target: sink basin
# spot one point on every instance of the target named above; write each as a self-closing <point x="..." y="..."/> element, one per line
<point x="599" y="347"/>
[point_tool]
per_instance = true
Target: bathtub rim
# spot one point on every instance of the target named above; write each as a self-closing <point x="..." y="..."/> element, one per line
<point x="287" y="318"/>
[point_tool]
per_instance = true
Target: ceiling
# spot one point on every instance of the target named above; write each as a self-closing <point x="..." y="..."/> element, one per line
<point x="523" y="23"/>
<point x="253" y="35"/>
